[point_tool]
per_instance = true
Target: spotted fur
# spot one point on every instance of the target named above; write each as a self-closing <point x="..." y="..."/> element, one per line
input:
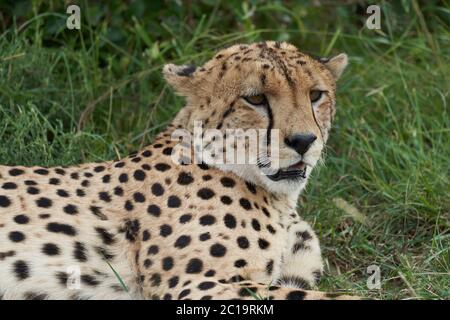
<point x="178" y="231"/>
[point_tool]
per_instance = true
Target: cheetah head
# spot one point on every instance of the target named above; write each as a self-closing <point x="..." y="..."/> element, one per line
<point x="268" y="86"/>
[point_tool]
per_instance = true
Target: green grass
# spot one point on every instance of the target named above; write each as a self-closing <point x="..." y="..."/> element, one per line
<point x="96" y="94"/>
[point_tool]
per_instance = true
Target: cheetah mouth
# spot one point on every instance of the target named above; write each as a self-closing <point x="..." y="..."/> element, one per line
<point x="295" y="171"/>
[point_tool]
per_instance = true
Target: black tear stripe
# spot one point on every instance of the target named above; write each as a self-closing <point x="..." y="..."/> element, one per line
<point x="270" y="125"/>
<point x="315" y="120"/>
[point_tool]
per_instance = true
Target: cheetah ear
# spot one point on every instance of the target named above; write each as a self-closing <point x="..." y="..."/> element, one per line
<point x="336" y="65"/>
<point x="180" y="77"/>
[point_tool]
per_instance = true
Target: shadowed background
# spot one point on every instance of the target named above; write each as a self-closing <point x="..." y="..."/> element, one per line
<point x="381" y="198"/>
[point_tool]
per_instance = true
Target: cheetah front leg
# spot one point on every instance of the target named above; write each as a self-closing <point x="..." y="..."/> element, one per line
<point x="209" y="289"/>
<point x="302" y="264"/>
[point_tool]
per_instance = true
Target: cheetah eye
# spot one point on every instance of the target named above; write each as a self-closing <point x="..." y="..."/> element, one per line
<point x="315" y="95"/>
<point x="256" y="100"/>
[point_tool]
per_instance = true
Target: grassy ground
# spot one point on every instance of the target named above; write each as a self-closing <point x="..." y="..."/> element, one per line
<point x="382" y="196"/>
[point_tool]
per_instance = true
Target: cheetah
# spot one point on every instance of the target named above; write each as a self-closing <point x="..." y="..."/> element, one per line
<point x="149" y="227"/>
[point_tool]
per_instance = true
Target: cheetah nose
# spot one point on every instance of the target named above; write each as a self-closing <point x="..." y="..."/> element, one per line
<point x="300" y="142"/>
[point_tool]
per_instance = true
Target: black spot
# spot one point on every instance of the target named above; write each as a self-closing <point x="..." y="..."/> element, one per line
<point x="269" y="267"/>
<point x="89" y="280"/>
<point x="155" y="279"/>
<point x="250" y="187"/>
<point x="173" y="282"/>
<point x="74" y="175"/>
<point x="9" y="186"/>
<point x="152" y="250"/>
<point x="136" y="159"/>
<point x="294" y="281"/>
<point x="184" y="293"/>
<point x="98" y="213"/>
<point x="167" y="296"/>
<point x="106" y="178"/>
<point x="226" y="200"/>
<point x="148" y="263"/>
<point x="139" y="175"/>
<point x="132" y="228"/>
<point x="230" y="221"/>
<point x="138" y="197"/>
<point x="30" y="183"/>
<point x="162" y="167"/>
<point x="256" y="225"/>
<point x="187" y="70"/>
<point x="21" y="270"/>
<point x="62" y="278"/>
<point x="154" y="210"/>
<point x="146" y="167"/>
<point x="173" y="202"/>
<point x="21" y="219"/>
<point x="44" y="202"/>
<point x="185" y="178"/>
<point x="182" y="242"/>
<point x="145" y="235"/>
<point x="106" y="236"/>
<point x="35" y="296"/>
<point x="165" y="230"/>
<point x="207" y="220"/>
<point x="128" y="205"/>
<point x="32" y="190"/>
<point x="50" y="249"/>
<point x="16" y="236"/>
<point x="271" y="229"/>
<point x="54" y="181"/>
<point x="206" y="177"/>
<point x="99" y="168"/>
<point x="167" y="263"/>
<point x="205" y="236"/>
<point x="104" y="196"/>
<point x="61" y="228"/>
<point x="206" y="285"/>
<point x="263" y="244"/>
<point x="243" y="242"/>
<point x="79" y="252"/>
<point x="70" y="209"/>
<point x="296" y="295"/>
<point x="119" y="164"/>
<point x="217" y="250"/>
<point x="15" y="172"/>
<point x="4" y="201"/>
<point x="167" y="151"/>
<point x="240" y="263"/>
<point x="304" y="235"/>
<point x="62" y="193"/>
<point x="123" y="178"/>
<point x="118" y="191"/>
<point x="80" y="192"/>
<point x="60" y="171"/>
<point x="147" y="153"/>
<point x="210" y="273"/>
<point x="157" y="189"/>
<point x="227" y="182"/>
<point x="194" y="265"/>
<point x="203" y="166"/>
<point x="185" y="218"/>
<point x="266" y="212"/>
<point x="205" y="193"/>
<point x="245" y="204"/>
